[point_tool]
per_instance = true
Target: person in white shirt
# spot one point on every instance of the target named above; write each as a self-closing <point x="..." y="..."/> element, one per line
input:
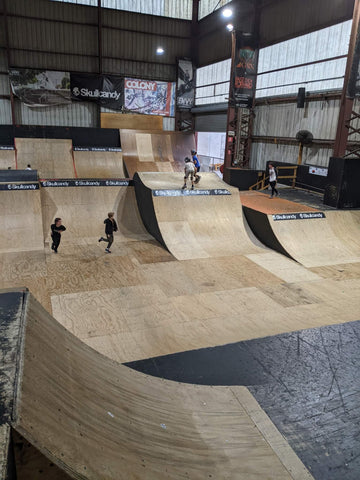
<point x="28" y="167"/>
<point x="190" y="171"/>
<point x="273" y="180"/>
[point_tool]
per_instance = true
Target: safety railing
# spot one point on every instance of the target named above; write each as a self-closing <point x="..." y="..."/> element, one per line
<point x="261" y="183"/>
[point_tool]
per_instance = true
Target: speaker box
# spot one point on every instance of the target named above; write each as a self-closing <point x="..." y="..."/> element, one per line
<point x="301" y="98"/>
<point x="342" y="188"/>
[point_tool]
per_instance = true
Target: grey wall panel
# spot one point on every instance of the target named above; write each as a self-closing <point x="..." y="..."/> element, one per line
<point x="3" y="60"/>
<point x="140" y="46"/>
<point x="52" y="36"/>
<point x="5" y="112"/>
<point x="169" y="123"/>
<point x="62" y="62"/>
<point x="289" y="18"/>
<point x="152" y="71"/>
<point x="74" y="115"/>
<point x="264" y="152"/>
<point x="4" y="84"/>
<point x="285" y="120"/>
<point x="211" y="123"/>
<point x="53" y="10"/>
<point x="145" y="23"/>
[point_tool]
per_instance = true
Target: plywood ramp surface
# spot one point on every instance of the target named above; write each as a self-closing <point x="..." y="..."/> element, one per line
<point x="7" y="159"/>
<point x="83" y="210"/>
<point x="20" y="221"/>
<point x="98" y="419"/>
<point x="131" y="121"/>
<point x="199" y="226"/>
<point x="263" y="203"/>
<point x="321" y="241"/>
<point x="146" y="151"/>
<point x="52" y="158"/>
<point x="99" y="164"/>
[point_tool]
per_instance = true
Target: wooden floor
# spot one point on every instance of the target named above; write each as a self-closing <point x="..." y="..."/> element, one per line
<point x="97" y="419"/>
<point x="141" y="302"/>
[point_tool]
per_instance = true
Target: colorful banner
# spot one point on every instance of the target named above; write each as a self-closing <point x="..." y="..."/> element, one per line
<point x="41" y="88"/>
<point x="150" y="97"/>
<point x="106" y="90"/>
<point x="244" y="80"/>
<point x="185" y="99"/>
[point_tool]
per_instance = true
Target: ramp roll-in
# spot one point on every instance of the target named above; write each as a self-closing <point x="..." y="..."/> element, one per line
<point x="97" y="419"/>
<point x="205" y="222"/>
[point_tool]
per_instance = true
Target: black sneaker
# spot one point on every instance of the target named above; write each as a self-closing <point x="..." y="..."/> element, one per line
<point x="100" y="239"/>
<point x="107" y="250"/>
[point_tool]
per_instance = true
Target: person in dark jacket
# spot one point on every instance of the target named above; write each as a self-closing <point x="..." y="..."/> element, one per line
<point x="56" y="229"/>
<point x="110" y="228"/>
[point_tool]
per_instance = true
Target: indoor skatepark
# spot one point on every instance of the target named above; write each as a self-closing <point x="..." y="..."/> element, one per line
<point x="219" y="339"/>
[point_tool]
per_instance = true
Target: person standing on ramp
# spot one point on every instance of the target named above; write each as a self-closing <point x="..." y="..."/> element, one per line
<point x="110" y="228"/>
<point x="273" y="180"/>
<point x="190" y="171"/>
<point x="197" y="165"/>
<point x="56" y="229"/>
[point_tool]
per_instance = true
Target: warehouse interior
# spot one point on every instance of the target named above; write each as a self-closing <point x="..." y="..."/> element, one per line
<point x="220" y="338"/>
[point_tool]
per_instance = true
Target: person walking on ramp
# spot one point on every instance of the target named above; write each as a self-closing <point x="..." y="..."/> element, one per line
<point x="56" y="229"/>
<point x="197" y="165"/>
<point x="110" y="228"/>
<point x="273" y="180"/>
<point x="190" y="171"/>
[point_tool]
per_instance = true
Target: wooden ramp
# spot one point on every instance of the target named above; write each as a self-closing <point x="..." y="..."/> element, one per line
<point x="7" y="158"/>
<point x="97" y="419"/>
<point x="20" y="220"/>
<point x="84" y="208"/>
<point x="146" y="151"/>
<point x="52" y="158"/>
<point x="312" y="238"/>
<point x="93" y="164"/>
<point x="203" y="223"/>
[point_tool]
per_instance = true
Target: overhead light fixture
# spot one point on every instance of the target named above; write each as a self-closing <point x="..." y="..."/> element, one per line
<point x="227" y="12"/>
<point x="230" y="27"/>
<point x="159" y="51"/>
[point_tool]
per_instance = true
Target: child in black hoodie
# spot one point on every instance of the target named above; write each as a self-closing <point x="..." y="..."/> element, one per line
<point x="110" y="228"/>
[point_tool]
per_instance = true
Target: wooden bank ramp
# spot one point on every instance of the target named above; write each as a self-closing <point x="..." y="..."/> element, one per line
<point x="97" y="419"/>
<point x="200" y="223"/>
<point x="311" y="237"/>
<point x="149" y="151"/>
<point x="98" y="162"/>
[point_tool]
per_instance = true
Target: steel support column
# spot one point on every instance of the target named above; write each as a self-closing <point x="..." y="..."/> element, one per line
<point x="12" y="103"/>
<point x="346" y="126"/>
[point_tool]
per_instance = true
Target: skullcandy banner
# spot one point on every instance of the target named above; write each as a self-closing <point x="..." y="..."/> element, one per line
<point x="244" y="80"/>
<point x="185" y="85"/>
<point x="150" y="97"/>
<point x="106" y="90"/>
<point x="41" y="88"/>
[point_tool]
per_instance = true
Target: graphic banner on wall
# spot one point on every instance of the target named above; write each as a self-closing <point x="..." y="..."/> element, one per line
<point x="185" y="85"/>
<point x="150" y="97"/>
<point x="106" y="90"/>
<point x="244" y="80"/>
<point x="41" y="88"/>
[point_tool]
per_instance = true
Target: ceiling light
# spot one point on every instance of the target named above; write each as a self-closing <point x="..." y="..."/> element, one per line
<point x="159" y="51"/>
<point x="230" y="27"/>
<point x="227" y="12"/>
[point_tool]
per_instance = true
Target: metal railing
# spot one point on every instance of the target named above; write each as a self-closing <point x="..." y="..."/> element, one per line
<point x="261" y="183"/>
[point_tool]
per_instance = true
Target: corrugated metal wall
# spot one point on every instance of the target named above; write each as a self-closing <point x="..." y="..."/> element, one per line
<point x="209" y="6"/>
<point x="64" y="36"/>
<point x="279" y="121"/>
<point x="164" y="8"/>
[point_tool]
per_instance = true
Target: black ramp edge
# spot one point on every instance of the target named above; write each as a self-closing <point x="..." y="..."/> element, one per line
<point x="307" y="382"/>
<point x="145" y="203"/>
<point x="12" y="311"/>
<point x="8" y="176"/>
<point x="259" y="224"/>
